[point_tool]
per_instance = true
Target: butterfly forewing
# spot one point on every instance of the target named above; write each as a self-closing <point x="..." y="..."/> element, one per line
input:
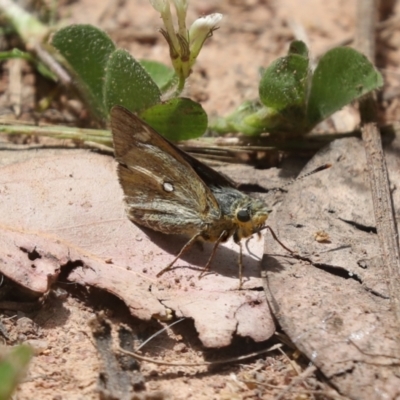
<point x="162" y="190"/>
<point x="206" y="173"/>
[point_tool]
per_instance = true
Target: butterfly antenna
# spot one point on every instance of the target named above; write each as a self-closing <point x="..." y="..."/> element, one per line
<point x="318" y="169"/>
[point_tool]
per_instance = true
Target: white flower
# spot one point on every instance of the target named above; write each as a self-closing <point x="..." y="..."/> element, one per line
<point x="160" y="5"/>
<point x="184" y="45"/>
<point x="181" y="10"/>
<point x="181" y="5"/>
<point x="201" y="30"/>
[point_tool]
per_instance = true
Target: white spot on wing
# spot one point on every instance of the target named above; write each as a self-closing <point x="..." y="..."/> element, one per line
<point x="168" y="187"/>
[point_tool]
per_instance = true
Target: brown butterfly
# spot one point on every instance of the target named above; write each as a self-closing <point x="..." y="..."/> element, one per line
<point x="169" y="191"/>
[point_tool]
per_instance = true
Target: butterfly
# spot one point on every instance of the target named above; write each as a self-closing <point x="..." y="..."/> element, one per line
<point x="167" y="190"/>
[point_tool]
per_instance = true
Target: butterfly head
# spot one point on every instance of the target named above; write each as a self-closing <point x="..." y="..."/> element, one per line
<point x="250" y="216"/>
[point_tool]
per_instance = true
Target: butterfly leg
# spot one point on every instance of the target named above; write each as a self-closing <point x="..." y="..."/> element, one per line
<point x="220" y="239"/>
<point x="240" y="262"/>
<point x="183" y="250"/>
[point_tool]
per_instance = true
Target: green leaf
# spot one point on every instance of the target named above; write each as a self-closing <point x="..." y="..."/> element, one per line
<point x="161" y="74"/>
<point x="283" y="86"/>
<point x="298" y="47"/>
<point x="86" y="50"/>
<point x="12" y="369"/>
<point x="177" y="119"/>
<point x="249" y="118"/>
<point x="342" y="76"/>
<point x="128" y="84"/>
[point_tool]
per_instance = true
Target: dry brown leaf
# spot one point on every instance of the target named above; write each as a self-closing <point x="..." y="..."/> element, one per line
<point x="68" y="208"/>
<point x="335" y="308"/>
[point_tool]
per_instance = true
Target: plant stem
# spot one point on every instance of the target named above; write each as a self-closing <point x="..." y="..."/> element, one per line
<point x="180" y="87"/>
<point x="61" y="132"/>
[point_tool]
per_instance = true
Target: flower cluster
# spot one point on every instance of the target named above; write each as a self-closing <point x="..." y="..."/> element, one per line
<point x="184" y="44"/>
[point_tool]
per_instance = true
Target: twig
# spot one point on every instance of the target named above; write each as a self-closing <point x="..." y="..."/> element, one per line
<point x="15" y="85"/>
<point x="207" y="363"/>
<point x="159" y="332"/>
<point x="378" y="175"/>
<point x="33" y="34"/>
<point x="292" y="363"/>
<point x="384" y="213"/>
<point x="367" y="11"/>
<point x="51" y="63"/>
<point x="331" y="393"/>
<point x="304" y="375"/>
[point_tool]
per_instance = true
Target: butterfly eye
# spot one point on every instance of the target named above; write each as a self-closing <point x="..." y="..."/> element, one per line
<point x="243" y="215"/>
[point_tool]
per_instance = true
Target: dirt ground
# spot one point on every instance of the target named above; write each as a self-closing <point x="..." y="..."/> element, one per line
<point x="252" y="34"/>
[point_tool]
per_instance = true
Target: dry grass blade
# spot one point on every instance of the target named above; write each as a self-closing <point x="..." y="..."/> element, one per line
<point x="379" y="180"/>
<point x="207" y="363"/>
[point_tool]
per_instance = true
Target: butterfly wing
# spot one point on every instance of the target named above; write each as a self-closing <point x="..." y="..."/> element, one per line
<point x="206" y="173"/>
<point x="162" y="190"/>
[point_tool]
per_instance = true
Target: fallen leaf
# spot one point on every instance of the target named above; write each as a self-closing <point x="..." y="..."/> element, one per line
<point x="334" y="304"/>
<point x="66" y="211"/>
